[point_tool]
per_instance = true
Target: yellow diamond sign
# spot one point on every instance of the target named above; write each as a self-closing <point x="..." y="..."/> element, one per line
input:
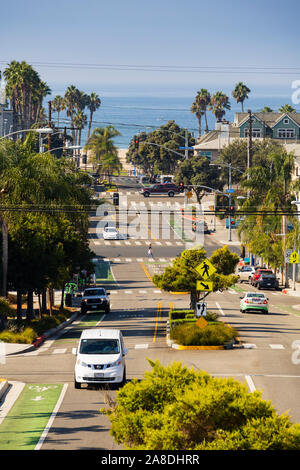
<point x="201" y="323"/>
<point x="204" y="286"/>
<point x="294" y="258"/>
<point x="205" y="269"/>
<point x="189" y="194"/>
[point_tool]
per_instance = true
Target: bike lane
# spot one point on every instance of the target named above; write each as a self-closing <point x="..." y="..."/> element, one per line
<point x="27" y="422"/>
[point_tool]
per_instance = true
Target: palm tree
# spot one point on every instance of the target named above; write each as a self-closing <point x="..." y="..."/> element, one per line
<point x="94" y="103"/>
<point x="287" y="108"/>
<point x="240" y="93"/>
<point x="102" y="147"/>
<point x="80" y="121"/>
<point x="58" y="105"/>
<point x="267" y="109"/>
<point x="199" y="108"/>
<point x="71" y="99"/>
<point x="218" y="103"/>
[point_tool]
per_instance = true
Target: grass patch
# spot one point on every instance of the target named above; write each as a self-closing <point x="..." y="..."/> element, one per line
<point x="214" y="334"/>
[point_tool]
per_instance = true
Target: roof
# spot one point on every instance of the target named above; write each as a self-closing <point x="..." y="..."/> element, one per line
<point x="269" y="119"/>
<point x="100" y="333"/>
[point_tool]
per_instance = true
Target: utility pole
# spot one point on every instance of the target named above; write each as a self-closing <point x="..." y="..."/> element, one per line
<point x="249" y="154"/>
<point x="49" y="123"/>
<point x="186" y="152"/>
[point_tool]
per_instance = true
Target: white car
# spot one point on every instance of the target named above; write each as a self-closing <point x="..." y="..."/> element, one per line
<point x="110" y="233"/>
<point x="100" y="357"/>
<point x="245" y="273"/>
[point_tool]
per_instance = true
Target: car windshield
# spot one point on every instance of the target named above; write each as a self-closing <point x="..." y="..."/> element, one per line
<point x="90" y="292"/>
<point x="99" y="346"/>
<point x="110" y="229"/>
<point x="246" y="268"/>
<point x="256" y="295"/>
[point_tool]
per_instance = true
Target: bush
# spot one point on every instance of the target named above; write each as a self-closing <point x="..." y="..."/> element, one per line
<point x="214" y="334"/>
<point x="176" y="408"/>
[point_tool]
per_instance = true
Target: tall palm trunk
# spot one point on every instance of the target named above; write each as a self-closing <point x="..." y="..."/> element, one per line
<point x="4" y="257"/>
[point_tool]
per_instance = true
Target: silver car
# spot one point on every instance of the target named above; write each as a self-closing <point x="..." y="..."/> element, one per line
<point x="245" y="273"/>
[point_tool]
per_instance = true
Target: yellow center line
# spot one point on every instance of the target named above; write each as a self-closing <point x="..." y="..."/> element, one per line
<point x="158" y="319"/>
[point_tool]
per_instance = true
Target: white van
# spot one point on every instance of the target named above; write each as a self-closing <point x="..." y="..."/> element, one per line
<point x="100" y="357"/>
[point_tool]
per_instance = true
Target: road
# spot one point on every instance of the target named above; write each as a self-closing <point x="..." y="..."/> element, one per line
<point x="268" y="361"/>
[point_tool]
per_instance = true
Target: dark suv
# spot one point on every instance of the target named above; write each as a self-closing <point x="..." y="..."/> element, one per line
<point x="167" y="188"/>
<point x="267" y="281"/>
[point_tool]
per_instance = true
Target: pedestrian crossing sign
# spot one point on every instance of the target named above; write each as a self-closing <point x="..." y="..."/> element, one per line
<point x="205" y="269"/>
<point x="294" y="258"/>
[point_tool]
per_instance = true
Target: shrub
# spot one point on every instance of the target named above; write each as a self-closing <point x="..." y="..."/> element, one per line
<point x="176" y="408"/>
<point x="214" y="334"/>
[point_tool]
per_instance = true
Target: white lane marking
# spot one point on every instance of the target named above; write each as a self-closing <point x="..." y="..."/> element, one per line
<point x="220" y="309"/>
<point x="141" y="346"/>
<point x="51" y="419"/>
<point x="59" y="351"/>
<point x="276" y="346"/>
<point x="250" y="383"/>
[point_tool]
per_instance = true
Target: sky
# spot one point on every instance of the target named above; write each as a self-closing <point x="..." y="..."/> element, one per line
<point x="158" y="44"/>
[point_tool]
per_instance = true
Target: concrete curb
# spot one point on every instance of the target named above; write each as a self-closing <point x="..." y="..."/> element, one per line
<point x="16" y="348"/>
<point x="4" y="385"/>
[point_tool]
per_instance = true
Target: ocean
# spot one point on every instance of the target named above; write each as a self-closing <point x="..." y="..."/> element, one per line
<point x="132" y="113"/>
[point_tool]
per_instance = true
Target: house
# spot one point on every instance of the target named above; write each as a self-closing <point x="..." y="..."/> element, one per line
<point x="6" y="121"/>
<point x="210" y="144"/>
<point x="279" y="126"/>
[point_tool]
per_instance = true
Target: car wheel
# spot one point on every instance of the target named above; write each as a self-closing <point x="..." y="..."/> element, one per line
<point x="83" y="310"/>
<point x="171" y="194"/>
<point x="77" y="384"/>
<point x="146" y="194"/>
<point x="107" y="310"/>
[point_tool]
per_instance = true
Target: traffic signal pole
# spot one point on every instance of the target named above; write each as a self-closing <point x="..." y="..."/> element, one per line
<point x="229" y="201"/>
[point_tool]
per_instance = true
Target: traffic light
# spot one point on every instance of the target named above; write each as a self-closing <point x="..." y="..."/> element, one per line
<point x="84" y="159"/>
<point x="136" y="143"/>
<point x="231" y="210"/>
<point x="116" y="199"/>
<point x="181" y="186"/>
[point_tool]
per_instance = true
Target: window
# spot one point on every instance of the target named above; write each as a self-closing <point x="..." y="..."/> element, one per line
<point x="206" y="154"/>
<point x="286" y="121"/>
<point x="256" y="132"/>
<point x="286" y="133"/>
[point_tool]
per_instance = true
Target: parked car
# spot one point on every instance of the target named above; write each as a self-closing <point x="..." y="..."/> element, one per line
<point x="245" y="273"/>
<point x="267" y="281"/>
<point x="110" y="233"/>
<point x="157" y="189"/>
<point x="253" y="301"/>
<point x="95" y="298"/>
<point x="258" y="273"/>
<point x="100" y="357"/>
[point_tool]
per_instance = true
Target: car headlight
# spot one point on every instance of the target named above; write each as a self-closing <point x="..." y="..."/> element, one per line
<point x="82" y="363"/>
<point x="116" y="363"/>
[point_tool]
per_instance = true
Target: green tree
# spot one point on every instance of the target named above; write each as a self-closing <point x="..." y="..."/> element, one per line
<point x="176" y="408"/>
<point x="267" y="109"/>
<point x="182" y="276"/>
<point x="158" y="150"/>
<point x="240" y="93"/>
<point x="197" y="173"/>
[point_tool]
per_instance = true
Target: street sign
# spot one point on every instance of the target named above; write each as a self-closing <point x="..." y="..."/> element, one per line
<point x="294" y="258"/>
<point x="204" y="286"/>
<point x="186" y="148"/>
<point x="201" y="309"/>
<point x="189" y="194"/>
<point x="288" y="253"/>
<point x="201" y="322"/>
<point x="205" y="269"/>
<point x="229" y="191"/>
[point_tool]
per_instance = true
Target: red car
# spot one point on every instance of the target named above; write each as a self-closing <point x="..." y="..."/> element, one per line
<point x="256" y="276"/>
<point x="167" y="188"/>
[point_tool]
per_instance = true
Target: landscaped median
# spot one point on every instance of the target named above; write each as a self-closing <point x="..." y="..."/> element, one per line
<point x="185" y="331"/>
